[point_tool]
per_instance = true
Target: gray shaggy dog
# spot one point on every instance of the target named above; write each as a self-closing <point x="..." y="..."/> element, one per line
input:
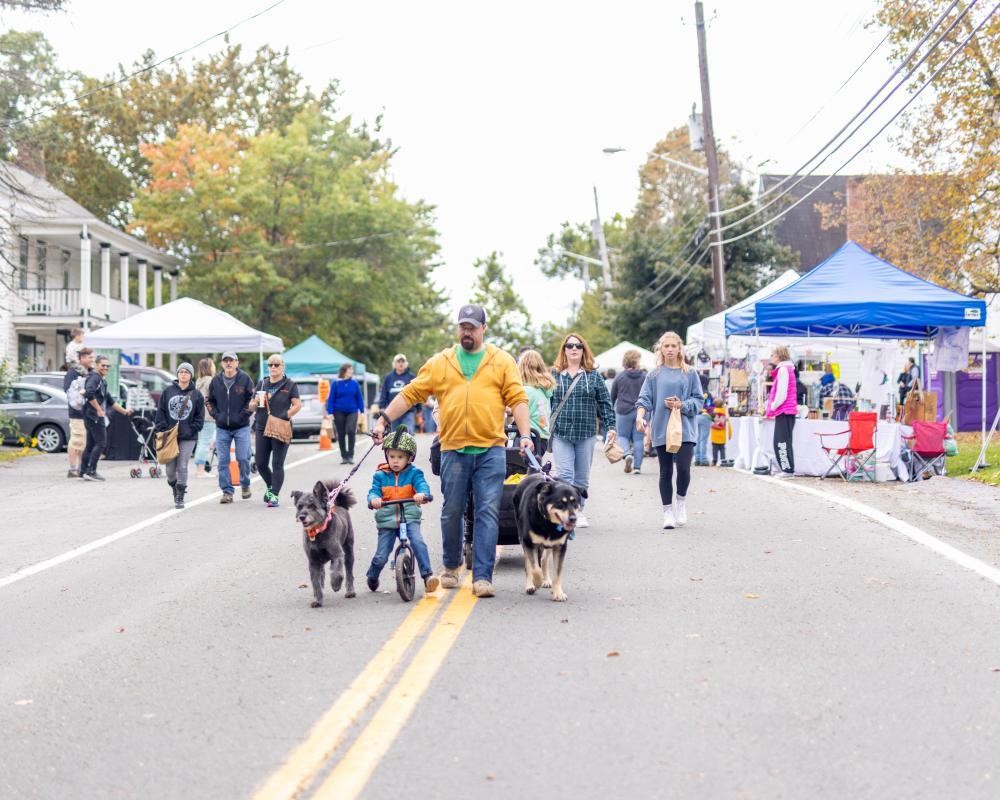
<point x="327" y="539"/>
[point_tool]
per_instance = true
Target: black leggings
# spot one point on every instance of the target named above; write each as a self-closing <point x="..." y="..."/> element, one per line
<point x="784" y="454"/>
<point x="270" y="457"/>
<point x="347" y="428"/>
<point x="682" y="458"/>
<point x="97" y="440"/>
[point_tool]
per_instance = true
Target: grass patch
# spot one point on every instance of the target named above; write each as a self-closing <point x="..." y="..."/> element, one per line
<point x="8" y="454"/>
<point x="968" y="451"/>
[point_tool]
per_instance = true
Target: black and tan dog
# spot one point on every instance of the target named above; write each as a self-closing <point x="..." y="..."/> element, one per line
<point x="546" y="516"/>
<point x="327" y="535"/>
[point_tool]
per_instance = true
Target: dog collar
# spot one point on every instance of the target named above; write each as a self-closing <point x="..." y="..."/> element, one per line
<point x="312" y="533"/>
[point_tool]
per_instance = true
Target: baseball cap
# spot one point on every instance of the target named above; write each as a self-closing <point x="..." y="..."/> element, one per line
<point x="230" y="354"/>
<point x="399" y="357"/>
<point x="472" y="315"/>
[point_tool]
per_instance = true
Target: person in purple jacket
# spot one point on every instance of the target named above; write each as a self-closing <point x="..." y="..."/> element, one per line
<point x="345" y="403"/>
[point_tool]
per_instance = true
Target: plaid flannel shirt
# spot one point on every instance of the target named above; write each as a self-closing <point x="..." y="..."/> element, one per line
<point x="589" y="400"/>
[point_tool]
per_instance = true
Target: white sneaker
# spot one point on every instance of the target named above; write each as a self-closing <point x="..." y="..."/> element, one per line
<point x="680" y="511"/>
<point x="668" y="518"/>
<point x="581" y="521"/>
<point x="628" y="463"/>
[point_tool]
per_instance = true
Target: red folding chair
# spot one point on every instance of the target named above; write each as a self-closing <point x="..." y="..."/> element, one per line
<point x="927" y="454"/>
<point x="855" y="461"/>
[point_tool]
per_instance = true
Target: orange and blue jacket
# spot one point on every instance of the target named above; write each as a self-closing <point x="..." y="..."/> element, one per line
<point x="388" y="485"/>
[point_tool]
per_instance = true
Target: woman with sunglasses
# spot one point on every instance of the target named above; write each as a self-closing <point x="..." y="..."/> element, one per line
<point x="277" y="396"/>
<point x="579" y="398"/>
<point x="671" y="385"/>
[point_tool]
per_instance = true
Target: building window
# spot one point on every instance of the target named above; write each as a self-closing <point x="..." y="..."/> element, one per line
<point x="67" y="259"/>
<point x="22" y="263"/>
<point x="42" y="258"/>
<point x="95" y="271"/>
<point x="116" y="278"/>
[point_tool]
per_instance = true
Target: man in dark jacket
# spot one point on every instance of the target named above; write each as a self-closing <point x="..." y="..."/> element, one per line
<point x="77" y="428"/>
<point x="228" y="401"/>
<point x="95" y="417"/>
<point x="181" y="404"/>
<point x="393" y="384"/>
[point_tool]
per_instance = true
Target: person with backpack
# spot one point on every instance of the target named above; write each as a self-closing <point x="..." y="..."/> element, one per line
<point x="276" y="402"/>
<point x="183" y="406"/>
<point x="344" y="403"/>
<point x="228" y="401"/>
<point x="74" y="384"/>
<point x="95" y="417"/>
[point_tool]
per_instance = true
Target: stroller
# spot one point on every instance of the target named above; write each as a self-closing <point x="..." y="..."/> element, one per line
<point x="516" y="469"/>
<point x="139" y="401"/>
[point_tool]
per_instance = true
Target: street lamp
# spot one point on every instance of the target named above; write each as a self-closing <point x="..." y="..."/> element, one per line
<point x="612" y="150"/>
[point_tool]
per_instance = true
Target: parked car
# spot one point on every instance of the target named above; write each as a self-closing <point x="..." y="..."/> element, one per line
<point x="40" y="411"/>
<point x="307" y="422"/>
<point x="53" y="379"/>
<point x="154" y="379"/>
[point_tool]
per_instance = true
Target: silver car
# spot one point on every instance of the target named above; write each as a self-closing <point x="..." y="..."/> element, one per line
<point x="40" y="411"/>
<point x="307" y="421"/>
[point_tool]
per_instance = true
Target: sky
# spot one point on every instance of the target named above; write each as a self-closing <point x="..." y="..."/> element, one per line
<point x="500" y="112"/>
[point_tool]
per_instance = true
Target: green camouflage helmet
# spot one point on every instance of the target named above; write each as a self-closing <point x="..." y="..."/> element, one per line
<point x="400" y="439"/>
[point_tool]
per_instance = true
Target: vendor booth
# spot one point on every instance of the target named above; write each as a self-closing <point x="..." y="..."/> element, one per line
<point x="612" y="359"/>
<point x="852" y="295"/>
<point x="316" y="357"/>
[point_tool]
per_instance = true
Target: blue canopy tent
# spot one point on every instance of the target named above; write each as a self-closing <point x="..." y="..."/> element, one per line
<point x="856" y="294"/>
<point x="316" y="357"/>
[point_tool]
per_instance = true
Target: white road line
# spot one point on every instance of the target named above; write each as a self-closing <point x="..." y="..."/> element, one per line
<point x="76" y="552"/>
<point x="904" y="528"/>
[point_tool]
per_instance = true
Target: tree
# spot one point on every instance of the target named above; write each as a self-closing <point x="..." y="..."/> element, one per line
<point x="954" y="140"/>
<point x="554" y="260"/>
<point x="506" y="315"/>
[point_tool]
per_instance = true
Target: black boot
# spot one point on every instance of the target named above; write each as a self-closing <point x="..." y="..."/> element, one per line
<point x="179" y="490"/>
<point x="173" y="489"/>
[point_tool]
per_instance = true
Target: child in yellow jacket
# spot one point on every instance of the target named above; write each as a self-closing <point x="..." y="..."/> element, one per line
<point x="720" y="432"/>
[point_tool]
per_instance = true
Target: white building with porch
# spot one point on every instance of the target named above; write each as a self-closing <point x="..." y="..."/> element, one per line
<point x="63" y="268"/>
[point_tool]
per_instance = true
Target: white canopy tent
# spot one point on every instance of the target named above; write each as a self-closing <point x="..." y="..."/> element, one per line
<point x="184" y="325"/>
<point x="612" y="359"/>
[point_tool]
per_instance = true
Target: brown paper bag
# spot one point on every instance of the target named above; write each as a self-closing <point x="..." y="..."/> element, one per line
<point x="913" y="406"/>
<point x="930" y="406"/>
<point x="675" y="431"/>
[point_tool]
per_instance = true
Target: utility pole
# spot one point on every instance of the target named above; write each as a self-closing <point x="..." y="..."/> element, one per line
<point x="602" y="243"/>
<point x="712" y="156"/>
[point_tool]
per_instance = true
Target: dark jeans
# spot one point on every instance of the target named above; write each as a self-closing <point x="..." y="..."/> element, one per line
<point x="482" y="475"/>
<point x="97" y="440"/>
<point x="682" y="460"/>
<point x="347" y="428"/>
<point x="270" y="457"/>
<point x="387" y="539"/>
<point x="784" y="425"/>
<point x="718" y="453"/>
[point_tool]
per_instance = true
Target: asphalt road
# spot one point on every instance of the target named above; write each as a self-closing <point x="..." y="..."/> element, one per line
<point x="779" y="646"/>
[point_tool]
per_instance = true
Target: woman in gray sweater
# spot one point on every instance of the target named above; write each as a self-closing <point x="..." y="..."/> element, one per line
<point x="624" y="393"/>
<point x="671" y="385"/>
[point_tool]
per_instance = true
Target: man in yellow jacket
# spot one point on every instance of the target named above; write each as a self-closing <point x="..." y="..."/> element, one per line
<point x="473" y="383"/>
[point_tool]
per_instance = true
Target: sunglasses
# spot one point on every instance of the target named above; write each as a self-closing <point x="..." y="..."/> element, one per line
<point x="573" y="346"/>
<point x="274" y="365"/>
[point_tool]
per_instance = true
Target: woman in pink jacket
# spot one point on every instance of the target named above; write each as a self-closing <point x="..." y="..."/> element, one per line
<point x="781" y="407"/>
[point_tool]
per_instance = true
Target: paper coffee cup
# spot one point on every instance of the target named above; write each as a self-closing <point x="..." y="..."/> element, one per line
<point x="261" y="397"/>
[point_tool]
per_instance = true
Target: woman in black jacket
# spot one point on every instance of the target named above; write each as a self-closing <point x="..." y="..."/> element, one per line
<point x="183" y="405"/>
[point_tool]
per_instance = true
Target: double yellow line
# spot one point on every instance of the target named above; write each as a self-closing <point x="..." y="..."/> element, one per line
<point x="353" y="770"/>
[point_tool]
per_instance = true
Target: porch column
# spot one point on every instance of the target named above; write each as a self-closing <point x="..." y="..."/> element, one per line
<point x="143" y="291"/>
<point x="123" y="269"/>
<point x="157" y="302"/>
<point x="173" y="296"/>
<point x="85" y="277"/>
<point x="106" y="277"/>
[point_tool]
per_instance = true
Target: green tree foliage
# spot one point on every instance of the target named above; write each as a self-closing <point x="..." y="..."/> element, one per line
<point x="506" y="315"/>
<point x="300" y="231"/>
<point x="29" y="81"/>
<point x="555" y="261"/>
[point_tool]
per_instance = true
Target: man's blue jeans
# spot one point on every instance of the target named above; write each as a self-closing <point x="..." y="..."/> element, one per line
<point x="409" y="419"/>
<point x="701" y="448"/>
<point x="573" y="461"/>
<point x="223" y="439"/>
<point x="483" y="476"/>
<point x="629" y="438"/>
<point x="387" y="540"/>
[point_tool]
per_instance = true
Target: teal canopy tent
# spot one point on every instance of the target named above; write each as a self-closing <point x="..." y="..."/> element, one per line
<point x="316" y="357"/>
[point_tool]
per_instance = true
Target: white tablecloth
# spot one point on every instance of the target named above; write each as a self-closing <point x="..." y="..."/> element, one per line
<point x="753" y="445"/>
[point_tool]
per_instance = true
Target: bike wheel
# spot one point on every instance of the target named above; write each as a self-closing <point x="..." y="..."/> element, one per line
<point x="468" y="555"/>
<point x="405" y="580"/>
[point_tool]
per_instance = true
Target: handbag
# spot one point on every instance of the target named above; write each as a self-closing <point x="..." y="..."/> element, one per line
<point x="569" y="391"/>
<point x="675" y="431"/>
<point x="280" y="429"/>
<point x="613" y="452"/>
<point x="167" y="448"/>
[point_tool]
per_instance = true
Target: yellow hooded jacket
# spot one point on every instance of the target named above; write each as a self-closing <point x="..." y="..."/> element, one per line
<point x="471" y="412"/>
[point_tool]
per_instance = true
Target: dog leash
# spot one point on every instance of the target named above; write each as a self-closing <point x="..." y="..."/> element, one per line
<point x="331" y="504"/>
<point x="533" y="462"/>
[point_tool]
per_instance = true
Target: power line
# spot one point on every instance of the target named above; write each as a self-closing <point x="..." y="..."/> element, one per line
<point x="761" y="208"/>
<point x="878" y="133"/>
<point x="148" y="68"/>
<point x="937" y="23"/>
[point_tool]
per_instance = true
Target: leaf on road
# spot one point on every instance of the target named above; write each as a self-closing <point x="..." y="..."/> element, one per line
<point x="23" y="702"/>
<point x="491" y="777"/>
<point x="614" y="654"/>
<point x="303" y="586"/>
<point x="564" y="620"/>
<point x="750" y="596"/>
<point x="695" y="578"/>
<point x="995" y="669"/>
<point x="307" y="629"/>
<point x="616" y="598"/>
<point x="120" y="630"/>
<point x="277" y="636"/>
<point x="564" y="673"/>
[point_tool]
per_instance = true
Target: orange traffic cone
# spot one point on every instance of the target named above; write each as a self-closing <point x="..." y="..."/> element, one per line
<point x="234" y="467"/>
<point x="324" y="440"/>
